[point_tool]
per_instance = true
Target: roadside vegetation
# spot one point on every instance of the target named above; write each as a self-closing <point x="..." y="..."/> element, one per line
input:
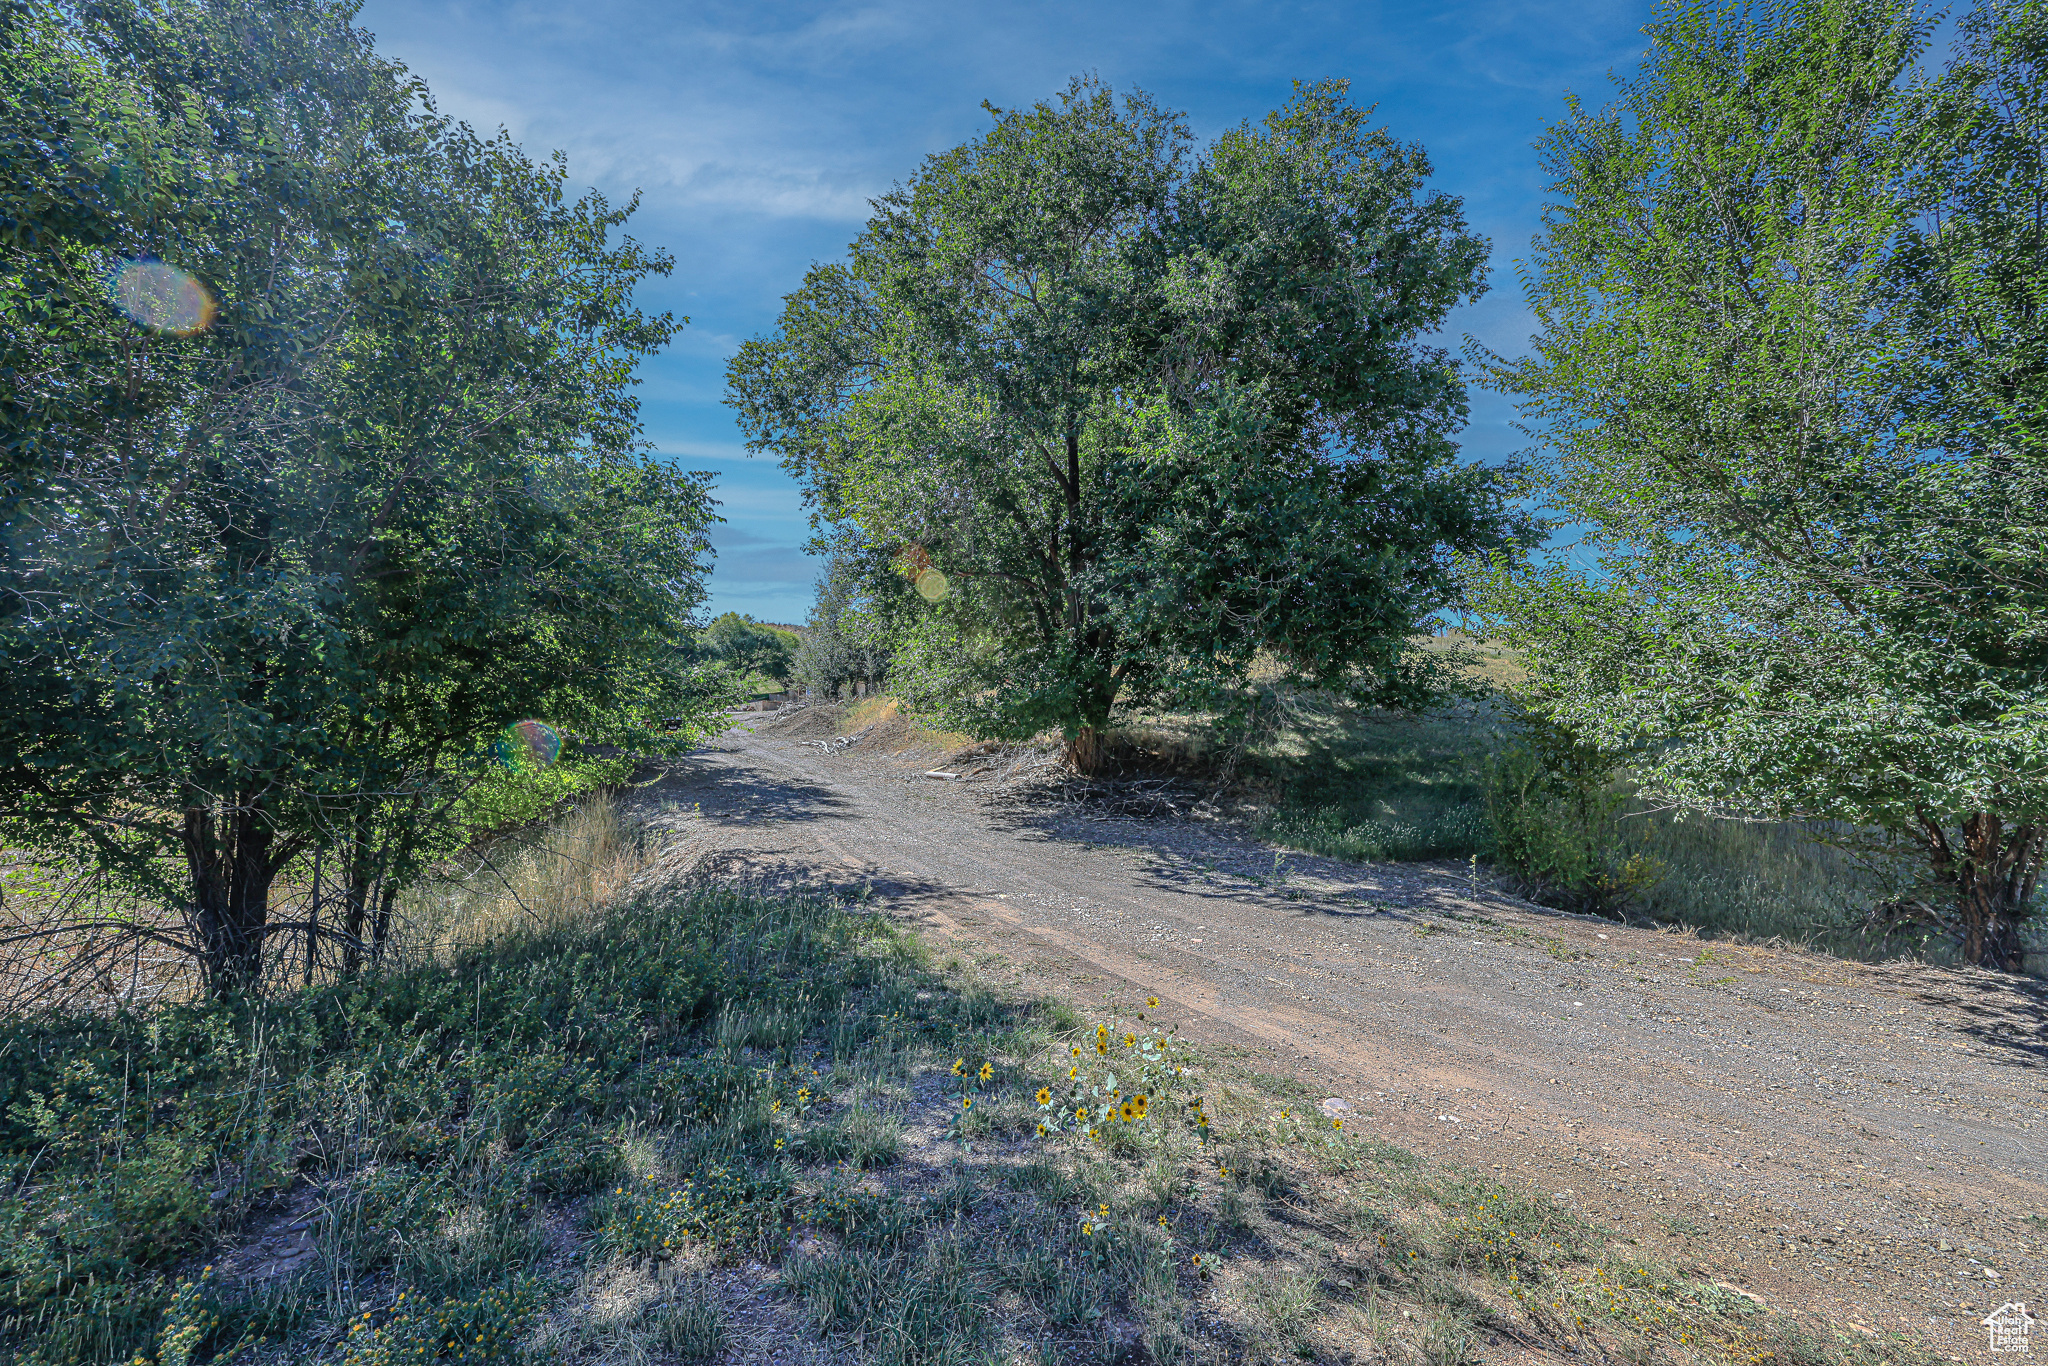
<point x="587" y="1115"/>
<point x="1462" y="785"/>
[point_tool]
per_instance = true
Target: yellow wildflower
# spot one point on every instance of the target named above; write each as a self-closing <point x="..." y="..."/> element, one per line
<point x="1045" y="1095"/>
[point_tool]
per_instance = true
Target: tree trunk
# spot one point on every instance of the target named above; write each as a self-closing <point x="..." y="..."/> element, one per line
<point x="1087" y="750"/>
<point x="356" y="892"/>
<point x="381" y="931"/>
<point x="229" y="856"/>
<point x="1992" y="873"/>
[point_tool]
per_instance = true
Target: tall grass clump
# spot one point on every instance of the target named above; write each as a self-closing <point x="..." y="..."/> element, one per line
<point x="554" y="876"/>
<point x="1819" y="886"/>
<point x="1375" y="786"/>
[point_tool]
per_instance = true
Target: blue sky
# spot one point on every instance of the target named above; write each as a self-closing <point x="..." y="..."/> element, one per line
<point x="756" y="133"/>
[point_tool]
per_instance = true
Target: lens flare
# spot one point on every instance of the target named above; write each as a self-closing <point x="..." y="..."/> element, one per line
<point x="161" y="297"/>
<point x="525" y="746"/>
<point x="931" y="585"/>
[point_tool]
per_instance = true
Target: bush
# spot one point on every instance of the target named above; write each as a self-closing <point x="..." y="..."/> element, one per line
<point x="480" y="1329"/>
<point x="1551" y="802"/>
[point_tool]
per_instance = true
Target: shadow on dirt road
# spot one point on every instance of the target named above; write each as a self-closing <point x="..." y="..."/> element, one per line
<point x="1862" y="1143"/>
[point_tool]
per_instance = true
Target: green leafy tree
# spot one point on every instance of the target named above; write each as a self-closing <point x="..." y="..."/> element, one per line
<point x="1130" y="419"/>
<point x="858" y="613"/>
<point x="1790" y="380"/>
<point x="750" y="646"/>
<point x="321" y="463"/>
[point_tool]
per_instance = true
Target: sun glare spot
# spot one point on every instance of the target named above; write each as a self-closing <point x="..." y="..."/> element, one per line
<point x="931" y="585"/>
<point x="159" y="296"/>
<point x="527" y="745"/>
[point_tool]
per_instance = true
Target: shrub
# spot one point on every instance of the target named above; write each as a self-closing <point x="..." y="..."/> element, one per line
<point x="1552" y="800"/>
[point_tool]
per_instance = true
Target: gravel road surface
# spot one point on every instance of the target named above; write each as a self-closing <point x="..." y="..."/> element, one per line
<point x="1864" y="1144"/>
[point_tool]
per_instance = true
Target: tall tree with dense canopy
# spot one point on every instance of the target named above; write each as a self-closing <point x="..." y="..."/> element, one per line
<point x="1790" y="378"/>
<point x="321" y="461"/>
<point x="1131" y="417"/>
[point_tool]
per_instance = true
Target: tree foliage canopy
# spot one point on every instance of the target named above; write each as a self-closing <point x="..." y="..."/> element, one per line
<point x="1132" y="417"/>
<point x="319" y="461"/>
<point x="1790" y="379"/>
<point x="750" y="646"/>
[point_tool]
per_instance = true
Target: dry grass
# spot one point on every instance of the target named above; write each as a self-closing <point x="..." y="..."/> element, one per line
<point x="556" y="877"/>
<point x="893" y="726"/>
<point x="71" y="940"/>
<point x="1485" y="662"/>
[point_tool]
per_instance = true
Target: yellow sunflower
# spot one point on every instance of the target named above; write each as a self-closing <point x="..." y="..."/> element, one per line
<point x="1045" y="1095"/>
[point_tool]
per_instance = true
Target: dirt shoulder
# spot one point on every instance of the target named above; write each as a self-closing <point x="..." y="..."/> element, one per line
<point x="1863" y="1144"/>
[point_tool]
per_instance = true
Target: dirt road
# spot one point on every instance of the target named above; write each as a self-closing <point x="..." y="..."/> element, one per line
<point x="1864" y="1144"/>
